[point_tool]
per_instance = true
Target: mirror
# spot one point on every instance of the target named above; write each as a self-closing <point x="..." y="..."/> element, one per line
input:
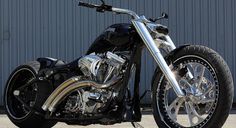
<point x="164" y="15"/>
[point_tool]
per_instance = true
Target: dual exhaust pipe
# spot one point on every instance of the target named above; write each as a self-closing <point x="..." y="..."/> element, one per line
<point x="70" y="85"/>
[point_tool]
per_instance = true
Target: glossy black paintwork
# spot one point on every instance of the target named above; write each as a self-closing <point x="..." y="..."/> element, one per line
<point x="116" y="35"/>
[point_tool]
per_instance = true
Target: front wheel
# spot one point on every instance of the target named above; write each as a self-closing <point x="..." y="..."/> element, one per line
<point x="207" y="82"/>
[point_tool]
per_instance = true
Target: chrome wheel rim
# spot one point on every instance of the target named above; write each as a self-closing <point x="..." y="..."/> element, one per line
<point x="202" y="92"/>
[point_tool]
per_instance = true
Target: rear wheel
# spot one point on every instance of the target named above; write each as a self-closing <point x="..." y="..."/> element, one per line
<point x="22" y="99"/>
<point x="206" y="79"/>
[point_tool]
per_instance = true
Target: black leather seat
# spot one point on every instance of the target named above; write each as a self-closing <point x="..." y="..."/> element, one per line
<point x="47" y="62"/>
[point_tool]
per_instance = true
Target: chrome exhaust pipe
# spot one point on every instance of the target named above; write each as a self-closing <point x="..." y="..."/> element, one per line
<point x="65" y="89"/>
<point x="58" y="90"/>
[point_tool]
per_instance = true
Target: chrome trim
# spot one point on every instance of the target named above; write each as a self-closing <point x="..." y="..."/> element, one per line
<point x="125" y="11"/>
<point x="171" y="44"/>
<point x="153" y="49"/>
<point x="78" y="85"/>
<point x="58" y="90"/>
<point x="70" y="85"/>
<point x="172" y="47"/>
<point x="188" y="104"/>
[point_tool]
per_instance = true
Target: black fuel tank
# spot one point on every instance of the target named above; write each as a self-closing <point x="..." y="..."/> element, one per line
<point x="118" y="34"/>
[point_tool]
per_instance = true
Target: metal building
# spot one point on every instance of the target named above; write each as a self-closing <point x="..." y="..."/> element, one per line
<point x="60" y="29"/>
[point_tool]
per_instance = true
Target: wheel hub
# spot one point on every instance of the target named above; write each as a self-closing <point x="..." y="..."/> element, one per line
<point x="202" y="93"/>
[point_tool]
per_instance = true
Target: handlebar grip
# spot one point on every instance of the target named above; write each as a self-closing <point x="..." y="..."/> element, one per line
<point x="87" y="5"/>
<point x="100" y="8"/>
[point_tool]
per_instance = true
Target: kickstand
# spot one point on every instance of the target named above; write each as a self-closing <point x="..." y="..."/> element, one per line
<point x="136" y="125"/>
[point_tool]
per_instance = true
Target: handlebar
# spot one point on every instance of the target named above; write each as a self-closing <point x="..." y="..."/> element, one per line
<point x="89" y="5"/>
<point x="99" y="8"/>
<point x="103" y="7"/>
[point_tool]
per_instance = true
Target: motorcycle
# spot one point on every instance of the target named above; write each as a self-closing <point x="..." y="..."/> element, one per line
<point x="192" y="81"/>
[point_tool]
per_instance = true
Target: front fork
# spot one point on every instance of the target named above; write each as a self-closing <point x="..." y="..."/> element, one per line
<point x="153" y="49"/>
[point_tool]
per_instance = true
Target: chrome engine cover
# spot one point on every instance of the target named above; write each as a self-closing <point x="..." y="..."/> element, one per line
<point x="87" y="102"/>
<point x="89" y="64"/>
<point x="101" y="67"/>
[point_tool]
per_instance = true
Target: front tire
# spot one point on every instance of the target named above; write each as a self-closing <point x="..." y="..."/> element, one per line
<point x="16" y="98"/>
<point x="207" y="103"/>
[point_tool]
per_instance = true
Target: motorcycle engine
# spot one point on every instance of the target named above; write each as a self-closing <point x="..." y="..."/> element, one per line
<point x="99" y="68"/>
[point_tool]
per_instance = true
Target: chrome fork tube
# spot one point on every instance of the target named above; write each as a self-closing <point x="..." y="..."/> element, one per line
<point x="153" y="49"/>
<point x="172" y="45"/>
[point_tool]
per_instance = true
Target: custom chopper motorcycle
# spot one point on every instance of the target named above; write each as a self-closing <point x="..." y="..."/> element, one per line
<point x="191" y="82"/>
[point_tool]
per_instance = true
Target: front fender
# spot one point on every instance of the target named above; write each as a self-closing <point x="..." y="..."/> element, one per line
<point x="168" y="60"/>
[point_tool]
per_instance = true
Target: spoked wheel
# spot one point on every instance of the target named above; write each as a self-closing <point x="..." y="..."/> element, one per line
<point x="23" y="98"/>
<point x="207" y="82"/>
<point x="202" y="92"/>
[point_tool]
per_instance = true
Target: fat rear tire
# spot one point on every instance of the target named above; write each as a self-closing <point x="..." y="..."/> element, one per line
<point x="32" y="119"/>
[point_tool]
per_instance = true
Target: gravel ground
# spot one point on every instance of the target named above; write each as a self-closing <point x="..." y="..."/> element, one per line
<point x="147" y="122"/>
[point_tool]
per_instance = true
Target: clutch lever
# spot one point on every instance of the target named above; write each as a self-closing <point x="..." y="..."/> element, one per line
<point x="99" y="8"/>
<point x="88" y="5"/>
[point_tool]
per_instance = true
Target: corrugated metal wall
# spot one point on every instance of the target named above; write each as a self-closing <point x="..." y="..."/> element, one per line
<point x="60" y="29"/>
